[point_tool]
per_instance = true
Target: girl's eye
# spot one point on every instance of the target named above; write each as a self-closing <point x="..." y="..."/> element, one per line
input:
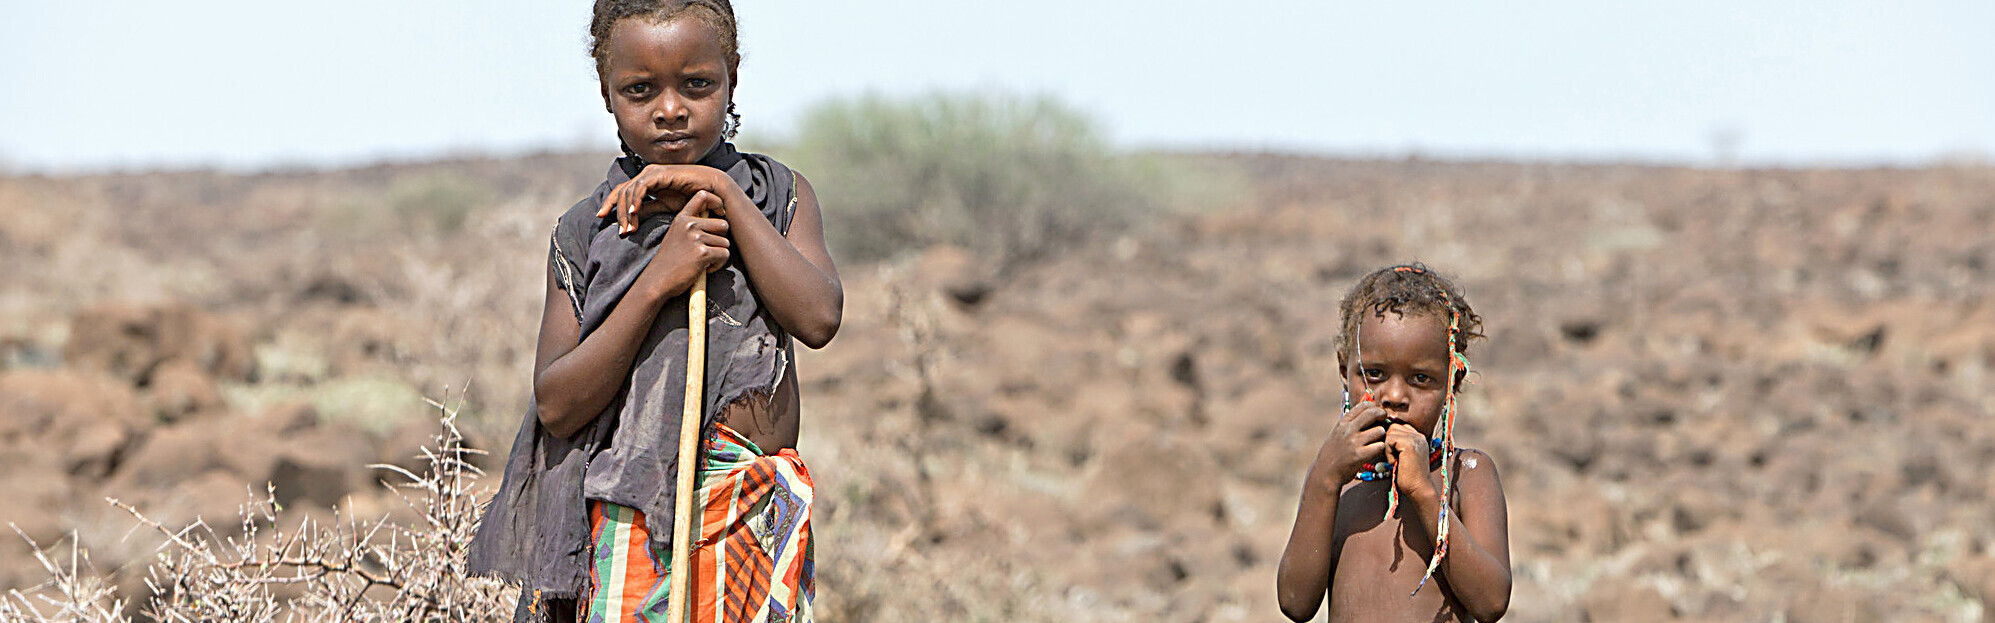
<point x="1375" y="374"/>
<point x="638" y="89"/>
<point x="698" y="83"/>
<point x="1422" y="379"/>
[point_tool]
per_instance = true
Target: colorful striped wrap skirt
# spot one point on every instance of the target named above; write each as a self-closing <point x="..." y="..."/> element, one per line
<point x="752" y="561"/>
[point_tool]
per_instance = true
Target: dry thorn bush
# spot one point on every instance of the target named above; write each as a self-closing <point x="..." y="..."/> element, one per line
<point x="345" y="569"/>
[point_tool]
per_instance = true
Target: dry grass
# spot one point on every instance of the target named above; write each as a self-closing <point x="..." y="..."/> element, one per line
<point x="345" y="569"/>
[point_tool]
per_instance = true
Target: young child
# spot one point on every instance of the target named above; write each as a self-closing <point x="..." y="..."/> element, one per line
<point x="583" y="519"/>
<point x="1390" y="501"/>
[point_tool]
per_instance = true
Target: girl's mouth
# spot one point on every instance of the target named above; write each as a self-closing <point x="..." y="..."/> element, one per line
<point x="674" y="142"/>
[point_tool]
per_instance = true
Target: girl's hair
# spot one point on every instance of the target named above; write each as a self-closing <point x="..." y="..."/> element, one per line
<point x="1407" y="289"/>
<point x="716" y="13"/>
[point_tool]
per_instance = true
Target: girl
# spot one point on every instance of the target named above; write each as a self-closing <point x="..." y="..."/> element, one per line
<point x="585" y="511"/>
<point x="1388" y="486"/>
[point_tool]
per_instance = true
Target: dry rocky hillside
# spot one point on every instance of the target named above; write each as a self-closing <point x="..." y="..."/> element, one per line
<point x="1749" y="395"/>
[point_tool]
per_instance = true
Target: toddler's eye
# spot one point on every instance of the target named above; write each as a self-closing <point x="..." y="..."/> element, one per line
<point x="1375" y="374"/>
<point x="640" y="88"/>
<point x="1422" y="379"/>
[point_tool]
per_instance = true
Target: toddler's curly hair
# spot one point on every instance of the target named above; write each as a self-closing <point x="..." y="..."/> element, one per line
<point x="1407" y="289"/>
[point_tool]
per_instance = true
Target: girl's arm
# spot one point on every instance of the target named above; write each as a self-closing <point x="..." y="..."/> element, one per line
<point x="574" y="380"/>
<point x="792" y="274"/>
<point x="1478" y="561"/>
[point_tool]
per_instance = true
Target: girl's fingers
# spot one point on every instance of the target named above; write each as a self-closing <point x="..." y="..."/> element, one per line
<point x="618" y="197"/>
<point x="714" y="241"/>
<point x="703" y="203"/>
<point x="623" y="222"/>
<point x="1372" y="450"/>
<point x="713" y="226"/>
<point x="633" y="198"/>
<point x="609" y="203"/>
<point x="632" y="206"/>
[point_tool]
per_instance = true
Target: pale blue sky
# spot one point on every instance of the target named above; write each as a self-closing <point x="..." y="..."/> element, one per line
<point x="124" y="83"/>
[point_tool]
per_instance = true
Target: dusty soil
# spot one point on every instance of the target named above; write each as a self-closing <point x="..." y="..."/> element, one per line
<point x="1713" y="395"/>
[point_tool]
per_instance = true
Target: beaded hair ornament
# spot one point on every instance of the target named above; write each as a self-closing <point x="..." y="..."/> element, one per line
<point x="1443" y="442"/>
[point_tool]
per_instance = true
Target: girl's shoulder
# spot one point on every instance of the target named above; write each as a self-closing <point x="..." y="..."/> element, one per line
<point x="766" y="160"/>
<point x="776" y="172"/>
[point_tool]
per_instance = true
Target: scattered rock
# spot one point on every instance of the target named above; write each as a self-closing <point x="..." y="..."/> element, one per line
<point x="179" y="388"/>
<point x="956" y="273"/>
<point x="92" y="419"/>
<point x="1620" y="601"/>
<point x="130" y="342"/>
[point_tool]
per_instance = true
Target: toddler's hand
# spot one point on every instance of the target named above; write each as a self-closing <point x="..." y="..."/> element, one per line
<point x="1409" y="450"/>
<point x="1357" y="438"/>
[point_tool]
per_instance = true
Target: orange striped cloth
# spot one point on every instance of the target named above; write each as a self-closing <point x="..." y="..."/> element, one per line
<point x="753" y="560"/>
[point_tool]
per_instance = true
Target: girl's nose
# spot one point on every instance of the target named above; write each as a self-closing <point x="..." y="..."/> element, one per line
<point x="668" y="111"/>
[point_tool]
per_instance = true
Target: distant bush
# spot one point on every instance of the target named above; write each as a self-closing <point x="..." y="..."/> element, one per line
<point x="435" y="203"/>
<point x="439" y="202"/>
<point x="1009" y="178"/>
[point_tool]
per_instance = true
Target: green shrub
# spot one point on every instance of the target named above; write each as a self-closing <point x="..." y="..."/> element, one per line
<point x="439" y="202"/>
<point x="1009" y="178"/>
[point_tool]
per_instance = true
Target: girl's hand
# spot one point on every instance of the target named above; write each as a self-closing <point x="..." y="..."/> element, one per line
<point x="666" y="188"/>
<point x="1358" y="437"/>
<point x="694" y="245"/>
<point x="1409" y="450"/>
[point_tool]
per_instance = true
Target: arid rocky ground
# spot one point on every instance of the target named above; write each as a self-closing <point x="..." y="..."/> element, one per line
<point x="1749" y="395"/>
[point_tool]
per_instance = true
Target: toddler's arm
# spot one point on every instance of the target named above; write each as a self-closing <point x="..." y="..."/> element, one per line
<point x="1310" y="560"/>
<point x="1478" y="562"/>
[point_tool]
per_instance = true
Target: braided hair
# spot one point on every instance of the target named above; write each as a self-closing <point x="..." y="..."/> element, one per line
<point x="716" y="13"/>
<point x="1415" y="289"/>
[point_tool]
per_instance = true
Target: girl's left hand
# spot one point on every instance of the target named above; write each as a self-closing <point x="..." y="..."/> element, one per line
<point x="1409" y="451"/>
<point x="667" y="188"/>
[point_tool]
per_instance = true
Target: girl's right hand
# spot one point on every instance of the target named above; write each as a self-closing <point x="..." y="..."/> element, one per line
<point x="1358" y="437"/>
<point x="695" y="244"/>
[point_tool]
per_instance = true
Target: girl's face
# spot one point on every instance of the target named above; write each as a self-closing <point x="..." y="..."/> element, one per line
<point x="1403" y="360"/>
<point x="668" y="85"/>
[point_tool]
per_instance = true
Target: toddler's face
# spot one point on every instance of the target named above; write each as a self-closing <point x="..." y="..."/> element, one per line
<point x="668" y="85"/>
<point x="1403" y="361"/>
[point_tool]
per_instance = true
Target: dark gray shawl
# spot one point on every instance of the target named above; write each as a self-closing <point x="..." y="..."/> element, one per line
<point x="536" y="529"/>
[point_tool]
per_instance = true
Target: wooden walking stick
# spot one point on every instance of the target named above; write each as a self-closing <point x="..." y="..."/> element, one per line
<point x="689" y="446"/>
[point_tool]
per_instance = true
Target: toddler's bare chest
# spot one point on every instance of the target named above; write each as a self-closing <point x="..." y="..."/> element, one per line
<point x="1379" y="561"/>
